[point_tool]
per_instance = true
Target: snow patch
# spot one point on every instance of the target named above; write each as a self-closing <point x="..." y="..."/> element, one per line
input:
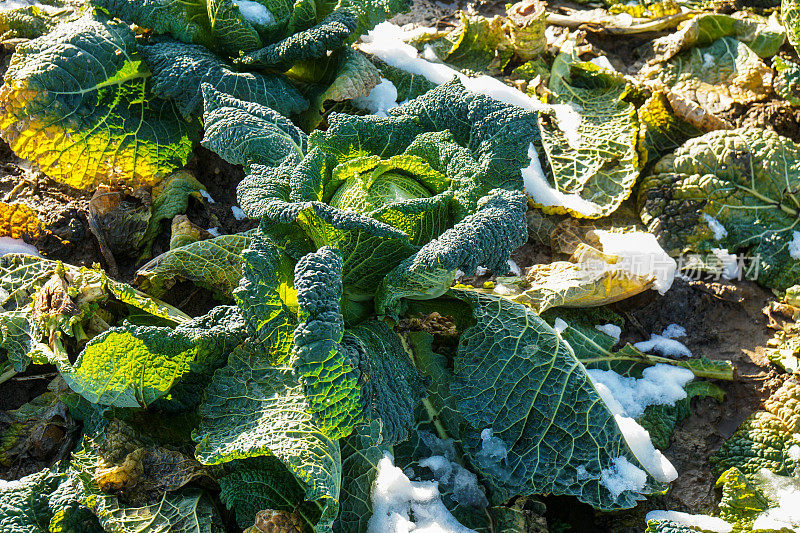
<point x="17" y="246"/>
<point x="493" y="455"/>
<point x="560" y="326"/>
<point x="612" y="330"/>
<point x="386" y="42"/>
<point x="255" y="13"/>
<point x="481" y="271"/>
<point x="640" y="254"/>
<point x="429" y="54"/>
<point x="381" y="98"/>
<point x="454" y="478"/>
<point x="659" y="385"/>
<point x="622" y="476"/>
<point x="214" y="231"/>
<point x="204" y="193"/>
<point x="730" y="263"/>
<point x="785" y="491"/>
<point x="709" y="60"/>
<point x="701" y="521"/>
<point x="663" y="346"/>
<point x="794" y="452"/>
<point x="794" y="246"/>
<point x="395" y="498"/>
<point x="714" y="225"/>
<point x="602" y="62"/>
<point x="514" y="268"/>
<point x="504" y="290"/>
<point x="639" y="442"/>
<point x="238" y="214"/>
<point x="539" y="189"/>
<point x="674" y="331"/>
<point x="460" y="274"/>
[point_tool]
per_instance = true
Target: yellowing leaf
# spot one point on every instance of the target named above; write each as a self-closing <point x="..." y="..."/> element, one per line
<point x="19" y="220"/>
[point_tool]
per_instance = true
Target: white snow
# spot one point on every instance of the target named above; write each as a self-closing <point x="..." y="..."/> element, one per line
<point x="640" y="254"/>
<point x="504" y="290"/>
<point x="794" y="452"/>
<point x="702" y="521"/>
<point x="481" y="271"/>
<point x="639" y="442"/>
<point x="709" y="60"/>
<point x="785" y="491"/>
<point x="794" y="246"/>
<point x="255" y="13"/>
<point x="492" y="455"/>
<point x="453" y="477"/>
<point x="602" y="62"/>
<point x="622" y="476"/>
<point x="204" y="193"/>
<point x="238" y="214"/>
<point x="661" y="345"/>
<point x="16" y="246"/>
<point x="659" y="385"/>
<point x="674" y="331"/>
<point x="460" y="274"/>
<point x="730" y="263"/>
<point x="386" y="42"/>
<point x="582" y="473"/>
<point x="560" y="326"/>
<point x="429" y="54"/>
<point x="214" y="231"/>
<point x="714" y="225"/>
<point x="512" y="265"/>
<point x="381" y="98"/>
<point x="395" y="498"/>
<point x="612" y="330"/>
<point x="539" y="189"/>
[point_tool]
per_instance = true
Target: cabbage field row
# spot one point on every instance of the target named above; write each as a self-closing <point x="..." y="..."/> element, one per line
<point x="379" y="266"/>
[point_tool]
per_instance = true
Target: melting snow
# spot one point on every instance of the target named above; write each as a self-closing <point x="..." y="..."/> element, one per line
<point x="602" y="62"/>
<point x="719" y="230"/>
<point x="539" y="189"/>
<point x="204" y="193"/>
<point x="514" y="268"/>
<point x="255" y="13"/>
<point x="612" y="330"/>
<point x="640" y="254"/>
<point x="481" y="271"/>
<point x="794" y="452"/>
<point x="395" y="498"/>
<point x="794" y="246"/>
<point x="674" y="331"/>
<point x="622" y="476"/>
<point x="214" y="231"/>
<point x="381" y="98"/>
<point x="701" y="521"/>
<point x="560" y="326"/>
<point x="708" y="60"/>
<point x="386" y="42"/>
<point x="785" y="491"/>
<point x="504" y="290"/>
<point x="238" y="214"/>
<point x="730" y="263"/>
<point x="16" y="246"/>
<point x="638" y="440"/>
<point x="663" y="346"/>
<point x="493" y="455"/>
<point x="660" y="385"/>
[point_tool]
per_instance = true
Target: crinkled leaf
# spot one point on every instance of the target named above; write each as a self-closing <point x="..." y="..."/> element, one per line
<point x="745" y="180"/>
<point x="215" y="264"/>
<point x="132" y="366"/>
<point x="179" y="70"/>
<point x="246" y="133"/>
<point x="790" y="13"/>
<point x="512" y="353"/>
<point x="717" y="76"/>
<point x="19" y="220"/>
<point x="232" y="31"/>
<point x="660" y="131"/>
<point x="186" y="21"/>
<point x="170" y="198"/>
<point x="253" y="409"/>
<point x="602" y="168"/>
<point x="787" y="80"/>
<point x="327" y="367"/>
<point x="88" y="116"/>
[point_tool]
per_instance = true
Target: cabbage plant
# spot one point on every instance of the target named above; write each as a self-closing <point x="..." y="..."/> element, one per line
<point x="94" y="100"/>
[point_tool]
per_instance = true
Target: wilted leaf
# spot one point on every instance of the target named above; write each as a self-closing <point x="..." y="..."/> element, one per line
<point x="19" y="220"/>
